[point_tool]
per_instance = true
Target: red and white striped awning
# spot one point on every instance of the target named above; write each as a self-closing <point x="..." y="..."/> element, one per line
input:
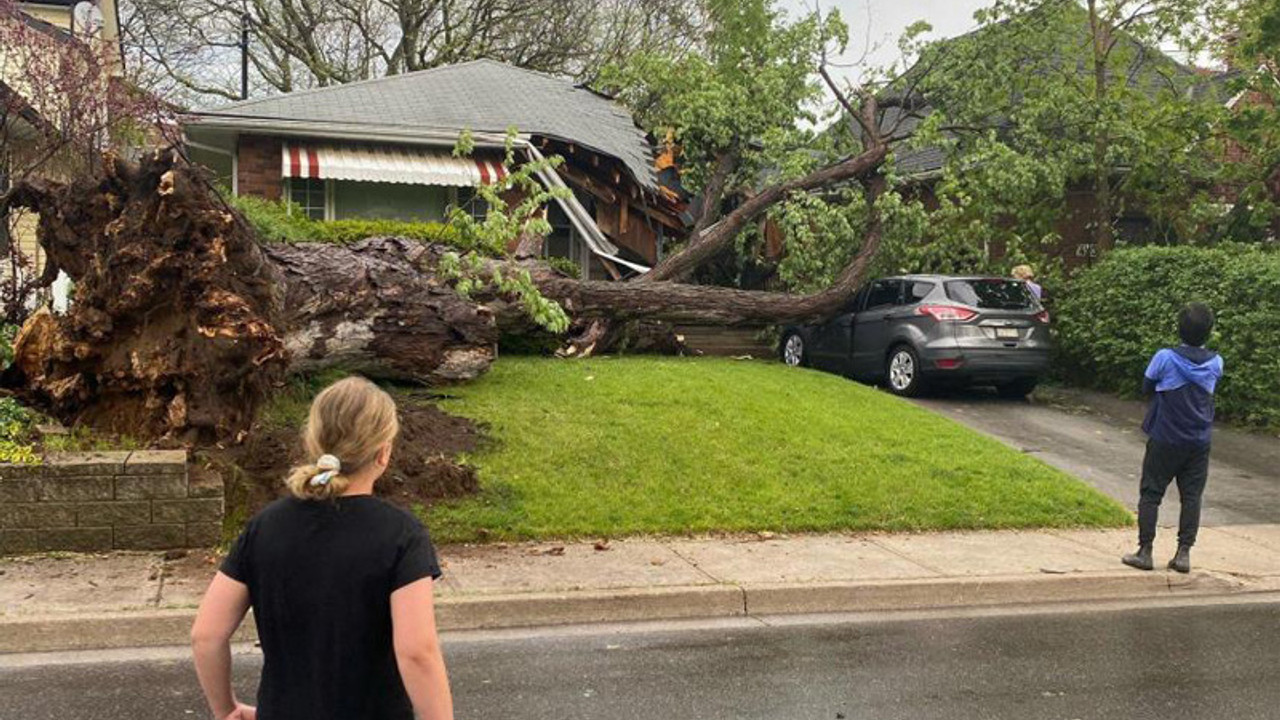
<point x="411" y="166"/>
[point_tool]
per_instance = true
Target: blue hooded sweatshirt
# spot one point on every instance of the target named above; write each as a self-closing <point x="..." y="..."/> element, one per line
<point x="1183" y="380"/>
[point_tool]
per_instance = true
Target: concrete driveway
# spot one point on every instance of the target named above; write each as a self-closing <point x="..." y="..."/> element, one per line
<point x="1099" y="439"/>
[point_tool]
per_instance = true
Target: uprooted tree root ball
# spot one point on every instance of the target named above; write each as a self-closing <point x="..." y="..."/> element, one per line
<point x="174" y="324"/>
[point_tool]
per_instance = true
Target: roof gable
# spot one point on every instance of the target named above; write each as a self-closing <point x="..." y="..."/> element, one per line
<point x="482" y="96"/>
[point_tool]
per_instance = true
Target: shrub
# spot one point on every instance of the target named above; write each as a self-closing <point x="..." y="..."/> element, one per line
<point x="272" y="221"/>
<point x="275" y="224"/>
<point x="7" y="334"/>
<point x="1117" y="313"/>
<point x="16" y="424"/>
<point x="565" y="266"/>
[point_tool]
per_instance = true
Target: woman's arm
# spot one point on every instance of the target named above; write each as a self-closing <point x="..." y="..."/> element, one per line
<point x="221" y="610"/>
<point x="413" y="622"/>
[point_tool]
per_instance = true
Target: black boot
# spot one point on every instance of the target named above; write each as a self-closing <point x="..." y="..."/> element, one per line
<point x="1140" y="559"/>
<point x="1181" y="561"/>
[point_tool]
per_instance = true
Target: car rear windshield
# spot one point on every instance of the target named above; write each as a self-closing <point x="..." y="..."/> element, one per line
<point x="991" y="294"/>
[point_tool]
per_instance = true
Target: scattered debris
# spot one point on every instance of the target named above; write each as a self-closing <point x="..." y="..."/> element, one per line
<point x="602" y="546"/>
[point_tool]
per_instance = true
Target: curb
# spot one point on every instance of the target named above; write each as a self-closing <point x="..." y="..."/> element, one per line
<point x="948" y="593"/>
<point x="490" y="612"/>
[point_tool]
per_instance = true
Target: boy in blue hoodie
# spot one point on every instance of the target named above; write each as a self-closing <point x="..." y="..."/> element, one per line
<point x="1179" y="424"/>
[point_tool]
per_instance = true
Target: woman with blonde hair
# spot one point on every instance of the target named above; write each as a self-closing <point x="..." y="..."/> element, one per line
<point x="340" y="583"/>
<point x="1027" y="275"/>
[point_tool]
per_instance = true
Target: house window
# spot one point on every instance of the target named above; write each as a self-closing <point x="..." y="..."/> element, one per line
<point x="307" y="195"/>
<point x="470" y="202"/>
<point x="388" y="201"/>
<point x="563" y="241"/>
<point x="1133" y="229"/>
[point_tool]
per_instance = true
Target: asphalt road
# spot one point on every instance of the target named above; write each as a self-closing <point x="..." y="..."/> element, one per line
<point x="1099" y="439"/>
<point x="1172" y="663"/>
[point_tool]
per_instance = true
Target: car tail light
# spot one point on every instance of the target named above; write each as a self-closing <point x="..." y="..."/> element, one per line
<point x="1043" y="317"/>
<point x="949" y="363"/>
<point x="946" y="313"/>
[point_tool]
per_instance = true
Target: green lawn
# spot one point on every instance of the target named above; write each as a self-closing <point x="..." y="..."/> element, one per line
<point x="642" y="445"/>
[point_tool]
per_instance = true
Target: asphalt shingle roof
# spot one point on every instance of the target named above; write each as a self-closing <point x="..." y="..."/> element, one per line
<point x="482" y="96"/>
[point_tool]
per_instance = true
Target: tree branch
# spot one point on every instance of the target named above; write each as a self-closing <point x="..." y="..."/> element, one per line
<point x="713" y="240"/>
<point x="713" y="193"/>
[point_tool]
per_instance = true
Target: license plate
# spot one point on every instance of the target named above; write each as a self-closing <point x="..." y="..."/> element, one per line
<point x="1008" y="333"/>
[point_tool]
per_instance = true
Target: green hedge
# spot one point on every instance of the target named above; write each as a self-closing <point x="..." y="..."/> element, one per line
<point x="274" y="224"/>
<point x="1117" y="313"/>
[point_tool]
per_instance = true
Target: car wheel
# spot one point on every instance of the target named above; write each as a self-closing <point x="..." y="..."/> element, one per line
<point x="902" y="372"/>
<point x="794" y="353"/>
<point x="1017" y="388"/>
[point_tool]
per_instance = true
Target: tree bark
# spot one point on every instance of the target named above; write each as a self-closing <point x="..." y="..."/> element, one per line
<point x="713" y="193"/>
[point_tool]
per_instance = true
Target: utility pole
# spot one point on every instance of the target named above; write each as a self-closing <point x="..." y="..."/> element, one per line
<point x="244" y="56"/>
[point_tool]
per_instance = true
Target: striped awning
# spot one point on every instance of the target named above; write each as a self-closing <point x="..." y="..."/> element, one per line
<point x="411" y="166"/>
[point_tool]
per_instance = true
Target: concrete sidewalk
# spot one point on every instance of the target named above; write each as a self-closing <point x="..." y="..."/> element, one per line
<point x="63" y="602"/>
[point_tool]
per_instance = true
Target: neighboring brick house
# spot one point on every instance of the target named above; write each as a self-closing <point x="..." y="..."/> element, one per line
<point x="382" y="149"/>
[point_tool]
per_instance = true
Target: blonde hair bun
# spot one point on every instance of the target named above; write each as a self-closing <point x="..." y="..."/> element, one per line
<point x="351" y="419"/>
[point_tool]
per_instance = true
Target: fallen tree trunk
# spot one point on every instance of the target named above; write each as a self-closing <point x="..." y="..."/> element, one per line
<point x="183" y="322"/>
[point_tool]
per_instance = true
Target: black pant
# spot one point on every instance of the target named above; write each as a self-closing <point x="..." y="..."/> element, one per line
<point x="1163" y="463"/>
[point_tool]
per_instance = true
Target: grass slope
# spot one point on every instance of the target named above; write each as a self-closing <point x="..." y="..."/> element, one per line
<point x="621" y="446"/>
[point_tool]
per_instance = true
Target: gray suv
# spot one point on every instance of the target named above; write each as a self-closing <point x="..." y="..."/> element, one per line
<point x="917" y="330"/>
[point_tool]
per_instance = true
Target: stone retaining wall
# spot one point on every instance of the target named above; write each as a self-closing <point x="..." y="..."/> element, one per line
<point x="84" y="502"/>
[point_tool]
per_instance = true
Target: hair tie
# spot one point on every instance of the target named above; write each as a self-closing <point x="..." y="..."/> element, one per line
<point x="329" y="466"/>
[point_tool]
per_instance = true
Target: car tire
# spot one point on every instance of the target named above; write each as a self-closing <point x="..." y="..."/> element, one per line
<point x="1017" y="389"/>
<point x="793" y="351"/>
<point x="902" y="371"/>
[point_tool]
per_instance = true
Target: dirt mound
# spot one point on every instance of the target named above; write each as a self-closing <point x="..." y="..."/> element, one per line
<point x="424" y="467"/>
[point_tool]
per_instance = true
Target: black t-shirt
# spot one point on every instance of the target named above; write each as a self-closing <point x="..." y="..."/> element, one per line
<point x="320" y="575"/>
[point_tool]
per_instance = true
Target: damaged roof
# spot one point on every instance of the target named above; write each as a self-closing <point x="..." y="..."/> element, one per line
<point x="481" y="96"/>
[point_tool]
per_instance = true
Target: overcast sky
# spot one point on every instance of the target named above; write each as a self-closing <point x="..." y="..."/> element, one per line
<point x="881" y="22"/>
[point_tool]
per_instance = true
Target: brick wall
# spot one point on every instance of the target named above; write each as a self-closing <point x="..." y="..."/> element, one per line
<point x="145" y="500"/>
<point x="258" y="166"/>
